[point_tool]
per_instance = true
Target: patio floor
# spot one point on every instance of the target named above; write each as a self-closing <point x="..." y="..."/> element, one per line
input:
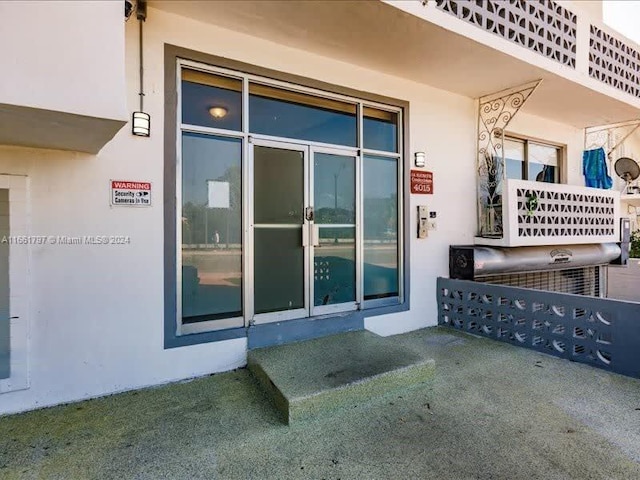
<point x="492" y="411"/>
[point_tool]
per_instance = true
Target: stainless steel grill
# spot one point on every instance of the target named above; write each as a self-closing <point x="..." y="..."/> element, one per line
<point x="578" y="281"/>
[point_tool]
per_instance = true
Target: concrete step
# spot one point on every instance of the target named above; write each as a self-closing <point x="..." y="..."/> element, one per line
<point x="306" y="379"/>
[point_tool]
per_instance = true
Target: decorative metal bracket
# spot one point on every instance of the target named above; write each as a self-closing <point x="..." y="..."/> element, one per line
<point x="494" y="114"/>
<point x="610" y="137"/>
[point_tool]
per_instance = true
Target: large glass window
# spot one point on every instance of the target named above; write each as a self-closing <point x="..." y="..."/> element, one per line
<point x="283" y="182"/>
<point x="211" y="227"/>
<point x="283" y="113"/>
<point x="381" y="273"/>
<point x="527" y="160"/>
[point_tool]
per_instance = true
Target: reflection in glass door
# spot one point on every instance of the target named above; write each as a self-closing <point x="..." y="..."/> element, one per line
<point x="333" y="231"/>
<point x="279" y="224"/>
<point x="304" y="231"/>
<point x="211" y="233"/>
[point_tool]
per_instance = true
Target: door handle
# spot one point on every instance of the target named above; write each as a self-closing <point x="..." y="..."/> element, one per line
<point x="315" y="235"/>
<point x="308" y="214"/>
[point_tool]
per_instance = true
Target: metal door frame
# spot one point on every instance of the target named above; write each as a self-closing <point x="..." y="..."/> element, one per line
<point x="307" y="233"/>
<point x="347" y="306"/>
<point x="281" y="315"/>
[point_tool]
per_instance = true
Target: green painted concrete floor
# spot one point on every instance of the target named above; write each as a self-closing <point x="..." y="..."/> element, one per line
<point x="492" y="411"/>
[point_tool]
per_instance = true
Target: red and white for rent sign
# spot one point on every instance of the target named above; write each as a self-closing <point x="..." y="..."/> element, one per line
<point x="130" y="193"/>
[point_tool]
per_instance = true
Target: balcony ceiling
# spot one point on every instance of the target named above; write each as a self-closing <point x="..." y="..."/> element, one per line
<point x="35" y="127"/>
<point x="377" y="36"/>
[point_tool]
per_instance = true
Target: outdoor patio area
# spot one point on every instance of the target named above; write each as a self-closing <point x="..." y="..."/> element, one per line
<point x="491" y="411"/>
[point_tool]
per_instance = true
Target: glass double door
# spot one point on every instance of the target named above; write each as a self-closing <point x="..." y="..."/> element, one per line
<point x="302" y="231"/>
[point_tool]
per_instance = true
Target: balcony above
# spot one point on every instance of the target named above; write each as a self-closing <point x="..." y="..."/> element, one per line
<point x="579" y="59"/>
<point x="63" y="74"/>
<point x="536" y="213"/>
<point x="425" y="44"/>
<point x="612" y="60"/>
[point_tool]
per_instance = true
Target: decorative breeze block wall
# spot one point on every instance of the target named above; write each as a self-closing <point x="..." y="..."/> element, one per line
<point x="537" y="213"/>
<point x="600" y="332"/>
<point x="614" y="62"/>
<point x="562" y="214"/>
<point x="543" y="26"/>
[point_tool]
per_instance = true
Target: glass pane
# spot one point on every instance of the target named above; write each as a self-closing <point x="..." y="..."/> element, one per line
<point x="543" y="163"/>
<point x="514" y="169"/>
<point x="334" y="267"/>
<point x="543" y="154"/>
<point x="278" y="186"/>
<point x="514" y="158"/>
<point x="211" y="100"/>
<point x="283" y="113"/>
<point x="211" y="227"/>
<point x="542" y="173"/>
<point x="279" y="269"/>
<point x="334" y="178"/>
<point x="380" y="192"/>
<point x="380" y="130"/>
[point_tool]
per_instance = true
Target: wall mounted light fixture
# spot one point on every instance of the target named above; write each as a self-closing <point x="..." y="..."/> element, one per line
<point x="141" y="121"/>
<point x="420" y="159"/>
<point x="141" y="124"/>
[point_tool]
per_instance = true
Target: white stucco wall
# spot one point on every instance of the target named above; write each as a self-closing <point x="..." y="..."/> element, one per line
<point x="63" y="56"/>
<point x="593" y="8"/>
<point x="629" y="148"/>
<point x="96" y="312"/>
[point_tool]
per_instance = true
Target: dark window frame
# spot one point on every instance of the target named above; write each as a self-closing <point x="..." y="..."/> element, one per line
<point x="560" y="149"/>
<point x="171" y="56"/>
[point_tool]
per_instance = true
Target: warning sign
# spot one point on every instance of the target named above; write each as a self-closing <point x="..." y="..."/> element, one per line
<point x="421" y="182"/>
<point x="128" y="193"/>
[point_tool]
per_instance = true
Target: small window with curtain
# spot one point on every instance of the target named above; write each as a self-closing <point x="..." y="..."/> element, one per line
<point x="531" y="160"/>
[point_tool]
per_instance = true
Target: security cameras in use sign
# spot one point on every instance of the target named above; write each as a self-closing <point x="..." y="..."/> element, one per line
<point x="130" y="194"/>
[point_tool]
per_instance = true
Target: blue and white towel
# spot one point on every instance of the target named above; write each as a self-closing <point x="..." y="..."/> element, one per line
<point x="594" y="169"/>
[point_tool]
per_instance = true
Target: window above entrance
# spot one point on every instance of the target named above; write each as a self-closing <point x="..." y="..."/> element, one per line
<point x="284" y="113"/>
<point x="211" y="100"/>
<point x="380" y="130"/>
